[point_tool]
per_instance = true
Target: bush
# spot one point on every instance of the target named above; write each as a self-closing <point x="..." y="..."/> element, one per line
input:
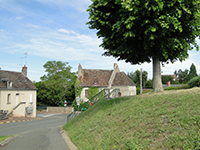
<point x="149" y="84"/>
<point x="184" y="86"/>
<point x="138" y="90"/>
<point x="194" y="82"/>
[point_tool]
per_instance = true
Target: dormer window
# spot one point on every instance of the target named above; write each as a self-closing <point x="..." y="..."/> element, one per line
<point x="96" y="82"/>
<point x="6" y="82"/>
<point x="9" y="84"/>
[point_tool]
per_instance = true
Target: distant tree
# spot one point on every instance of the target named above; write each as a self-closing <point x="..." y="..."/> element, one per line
<point x="182" y="76"/>
<point x="149" y="84"/>
<point x="166" y="78"/>
<point x="144" y="78"/>
<point x="57" y="85"/>
<point x="176" y="73"/>
<point x="144" y="31"/>
<point x="193" y="72"/>
<point x="135" y="77"/>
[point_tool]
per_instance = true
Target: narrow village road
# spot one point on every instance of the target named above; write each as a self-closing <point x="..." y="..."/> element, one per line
<point x="41" y="134"/>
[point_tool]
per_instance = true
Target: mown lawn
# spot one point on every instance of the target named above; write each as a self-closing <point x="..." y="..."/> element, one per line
<point x="167" y="120"/>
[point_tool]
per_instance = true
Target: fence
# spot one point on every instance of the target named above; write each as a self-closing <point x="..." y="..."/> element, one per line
<point x="99" y="95"/>
<point x="113" y="94"/>
<point x="72" y="115"/>
<point x="105" y="93"/>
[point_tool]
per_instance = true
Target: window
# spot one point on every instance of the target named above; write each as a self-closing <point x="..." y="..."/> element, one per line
<point x="31" y="98"/>
<point x="8" y="99"/>
<point x="17" y="99"/>
<point x="86" y="93"/>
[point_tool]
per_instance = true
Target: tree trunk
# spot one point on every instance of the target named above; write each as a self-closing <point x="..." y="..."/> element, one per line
<point x="157" y="83"/>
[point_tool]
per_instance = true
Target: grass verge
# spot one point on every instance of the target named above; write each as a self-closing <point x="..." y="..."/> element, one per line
<point x="166" y="120"/>
<point x="2" y="138"/>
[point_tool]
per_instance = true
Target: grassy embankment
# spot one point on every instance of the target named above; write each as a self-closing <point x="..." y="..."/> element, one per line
<point x="167" y="120"/>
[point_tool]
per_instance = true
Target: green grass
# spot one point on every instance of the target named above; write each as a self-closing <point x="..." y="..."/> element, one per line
<point x="166" y="120"/>
<point x="2" y="138"/>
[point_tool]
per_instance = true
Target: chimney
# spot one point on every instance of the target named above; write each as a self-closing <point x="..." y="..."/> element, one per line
<point x="116" y="67"/>
<point x="24" y="71"/>
<point x="112" y="77"/>
<point x="79" y="71"/>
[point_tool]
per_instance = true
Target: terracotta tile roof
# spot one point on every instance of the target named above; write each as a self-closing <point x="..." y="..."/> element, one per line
<point x="95" y="77"/>
<point x="122" y="79"/>
<point x="19" y="81"/>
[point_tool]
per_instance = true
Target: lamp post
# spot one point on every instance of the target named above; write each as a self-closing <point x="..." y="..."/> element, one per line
<point x="78" y="101"/>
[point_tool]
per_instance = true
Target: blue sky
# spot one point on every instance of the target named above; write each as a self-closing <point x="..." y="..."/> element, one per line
<point x="33" y="32"/>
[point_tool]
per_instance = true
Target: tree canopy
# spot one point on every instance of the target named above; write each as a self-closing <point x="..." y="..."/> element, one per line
<point x="193" y="72"/>
<point x="187" y="75"/>
<point x="144" y="31"/>
<point x="57" y="85"/>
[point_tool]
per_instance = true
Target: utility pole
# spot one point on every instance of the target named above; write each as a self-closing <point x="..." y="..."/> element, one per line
<point x="141" y="81"/>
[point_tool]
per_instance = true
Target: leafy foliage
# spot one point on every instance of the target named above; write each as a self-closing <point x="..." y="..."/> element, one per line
<point x="182" y="76"/>
<point x="166" y="78"/>
<point x="92" y="91"/>
<point x="78" y="89"/>
<point x="149" y="84"/>
<point x="141" y="31"/>
<point x="194" y="82"/>
<point x="193" y="72"/>
<point x="57" y="85"/>
<point x="135" y="77"/>
<point x="185" y="76"/>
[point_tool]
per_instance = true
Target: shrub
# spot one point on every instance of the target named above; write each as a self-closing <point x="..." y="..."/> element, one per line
<point x="138" y="90"/>
<point x="194" y="82"/>
<point x="149" y="84"/>
<point x="184" y="86"/>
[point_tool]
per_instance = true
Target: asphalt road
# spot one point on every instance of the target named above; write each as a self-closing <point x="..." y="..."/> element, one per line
<point x="36" y="135"/>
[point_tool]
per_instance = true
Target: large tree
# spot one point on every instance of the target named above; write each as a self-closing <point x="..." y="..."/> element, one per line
<point x="148" y="30"/>
<point x="57" y="85"/>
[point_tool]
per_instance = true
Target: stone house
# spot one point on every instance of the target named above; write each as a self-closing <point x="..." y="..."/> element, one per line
<point x="105" y="79"/>
<point x="17" y="94"/>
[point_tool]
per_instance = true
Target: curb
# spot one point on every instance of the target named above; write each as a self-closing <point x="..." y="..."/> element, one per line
<point x="67" y="140"/>
<point x="6" y="141"/>
<point x="20" y="120"/>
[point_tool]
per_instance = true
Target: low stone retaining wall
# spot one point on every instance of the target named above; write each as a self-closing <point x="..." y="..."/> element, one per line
<point x="60" y="109"/>
<point x="67" y="110"/>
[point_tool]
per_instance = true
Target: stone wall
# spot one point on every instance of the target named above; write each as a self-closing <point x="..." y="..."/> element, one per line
<point x="59" y="109"/>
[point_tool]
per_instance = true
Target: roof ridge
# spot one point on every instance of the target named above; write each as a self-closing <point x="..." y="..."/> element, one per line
<point x="98" y="69"/>
<point x="11" y="71"/>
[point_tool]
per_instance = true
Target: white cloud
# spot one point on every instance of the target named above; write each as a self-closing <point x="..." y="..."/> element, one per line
<point x="19" y="18"/>
<point x="33" y="26"/>
<point x="67" y="31"/>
